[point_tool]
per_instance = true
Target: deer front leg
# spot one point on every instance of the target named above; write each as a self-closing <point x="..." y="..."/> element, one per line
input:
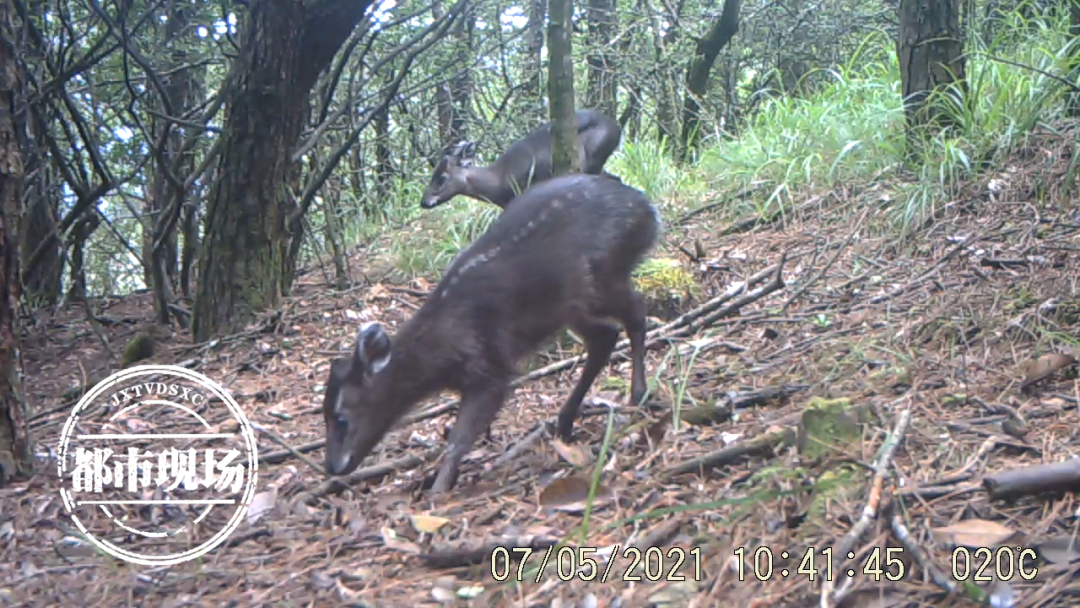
<point x="479" y="406"/>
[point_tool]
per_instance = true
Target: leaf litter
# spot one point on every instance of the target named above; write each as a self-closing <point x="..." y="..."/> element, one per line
<point x="928" y="337"/>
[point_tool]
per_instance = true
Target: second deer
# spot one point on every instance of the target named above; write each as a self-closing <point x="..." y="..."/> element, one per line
<point x="524" y="163"/>
<point x="561" y="255"/>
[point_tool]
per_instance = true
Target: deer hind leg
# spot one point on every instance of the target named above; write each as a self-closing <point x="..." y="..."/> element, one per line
<point x="631" y="311"/>
<point x="600" y="339"/>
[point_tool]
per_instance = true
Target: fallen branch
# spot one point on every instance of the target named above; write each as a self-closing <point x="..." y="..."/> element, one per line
<point x="336" y="485"/>
<point x="540" y="430"/>
<point x="919" y="280"/>
<point x="1033" y="480"/>
<point x="902" y="535"/>
<point x="870" y="511"/>
<point x="824" y="269"/>
<point x="479" y="553"/>
<point x="278" y="439"/>
<point x="762" y="445"/>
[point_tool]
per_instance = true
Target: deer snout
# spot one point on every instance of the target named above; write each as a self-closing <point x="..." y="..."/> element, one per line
<point x="430" y="203"/>
<point x="339" y="464"/>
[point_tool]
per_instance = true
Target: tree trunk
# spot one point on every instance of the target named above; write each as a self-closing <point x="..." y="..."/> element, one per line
<point x="160" y="267"/>
<point x="384" y="166"/>
<point x="697" y="76"/>
<point x="602" y="70"/>
<point x="931" y="52"/>
<point x="243" y="268"/>
<point x="1073" y="108"/>
<point x="564" y="158"/>
<point x="80" y="234"/>
<point x="40" y="218"/>
<point x="15" y="456"/>
<point x="533" y="63"/>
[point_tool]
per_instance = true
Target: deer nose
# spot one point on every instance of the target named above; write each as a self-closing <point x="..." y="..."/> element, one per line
<point x="335" y="466"/>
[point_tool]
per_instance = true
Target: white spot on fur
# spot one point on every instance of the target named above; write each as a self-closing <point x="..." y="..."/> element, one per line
<point x="337" y="403"/>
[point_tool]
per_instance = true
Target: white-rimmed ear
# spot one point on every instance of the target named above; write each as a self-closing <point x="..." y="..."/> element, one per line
<point x="372" y="348"/>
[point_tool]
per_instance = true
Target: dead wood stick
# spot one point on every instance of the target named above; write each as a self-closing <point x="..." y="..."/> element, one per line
<point x="902" y="535"/>
<point x="892" y="293"/>
<point x="540" y="430"/>
<point x="278" y="439"/>
<point x="283" y="455"/>
<point x="478" y="553"/>
<point x="1028" y="481"/>
<point x="764" y="444"/>
<point x="824" y="269"/>
<point x="336" y="485"/>
<point x="870" y="511"/>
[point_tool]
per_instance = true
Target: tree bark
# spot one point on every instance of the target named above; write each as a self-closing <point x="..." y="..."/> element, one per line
<point x="564" y="158"/>
<point x="15" y="456"/>
<point x="931" y="53"/>
<point x="243" y="265"/>
<point x="602" y="69"/>
<point x="721" y="32"/>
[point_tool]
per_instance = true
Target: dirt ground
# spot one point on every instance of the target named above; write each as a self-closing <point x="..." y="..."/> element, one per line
<point x="924" y="346"/>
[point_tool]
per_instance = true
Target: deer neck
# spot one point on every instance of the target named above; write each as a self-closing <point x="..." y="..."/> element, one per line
<point x="416" y="370"/>
<point x="487" y="184"/>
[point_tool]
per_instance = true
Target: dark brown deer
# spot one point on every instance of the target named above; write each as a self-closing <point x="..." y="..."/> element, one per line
<point x="561" y="256"/>
<point x="526" y="162"/>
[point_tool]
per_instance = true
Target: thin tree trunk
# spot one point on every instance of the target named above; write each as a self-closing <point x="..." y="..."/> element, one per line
<point x="931" y="53"/>
<point x="15" y="457"/>
<point x="564" y="158"/>
<point x="1073" y="107"/>
<point x="602" y="70"/>
<point x="697" y="76"/>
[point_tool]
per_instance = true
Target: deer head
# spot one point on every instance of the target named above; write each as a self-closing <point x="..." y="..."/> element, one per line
<point x="356" y="404"/>
<point x="451" y="175"/>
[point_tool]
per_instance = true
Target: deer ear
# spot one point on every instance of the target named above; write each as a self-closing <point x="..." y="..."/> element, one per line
<point x="372" y="348"/>
<point x="468" y="150"/>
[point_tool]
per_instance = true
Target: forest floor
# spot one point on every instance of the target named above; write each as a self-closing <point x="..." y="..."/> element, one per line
<point x="880" y="388"/>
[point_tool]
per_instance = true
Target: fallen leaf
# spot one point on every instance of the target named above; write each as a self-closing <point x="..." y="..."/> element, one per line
<point x="974" y="533"/>
<point x="261" y="504"/>
<point x="429" y="524"/>
<point x="391" y="540"/>
<point x="571" y="494"/>
<point x="1045" y="366"/>
<point x="575" y="455"/>
<point x="1062" y="550"/>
